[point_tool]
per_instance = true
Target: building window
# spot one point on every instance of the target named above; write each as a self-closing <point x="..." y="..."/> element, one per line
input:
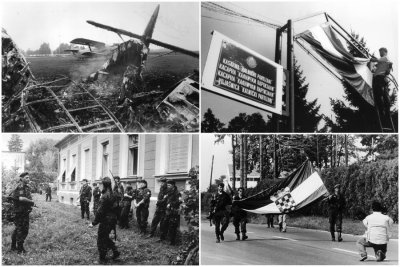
<point x="104" y="163"/>
<point x="73" y="173"/>
<point x="64" y="167"/>
<point x="86" y="163"/>
<point x="133" y="155"/>
<point x="178" y="153"/>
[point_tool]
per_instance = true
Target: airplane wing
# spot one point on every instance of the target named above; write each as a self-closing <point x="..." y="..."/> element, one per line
<point x="84" y="41"/>
<point x="71" y="50"/>
<point x="92" y="54"/>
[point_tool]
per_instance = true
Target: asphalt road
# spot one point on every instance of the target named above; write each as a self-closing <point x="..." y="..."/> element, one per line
<point x="268" y="246"/>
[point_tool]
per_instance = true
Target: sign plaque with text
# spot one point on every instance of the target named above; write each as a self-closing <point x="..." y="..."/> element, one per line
<point x="237" y="72"/>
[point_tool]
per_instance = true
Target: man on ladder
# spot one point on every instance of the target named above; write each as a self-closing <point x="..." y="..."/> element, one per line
<point x="380" y="88"/>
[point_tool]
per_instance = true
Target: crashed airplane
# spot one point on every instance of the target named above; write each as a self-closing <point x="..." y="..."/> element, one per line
<point x="119" y="97"/>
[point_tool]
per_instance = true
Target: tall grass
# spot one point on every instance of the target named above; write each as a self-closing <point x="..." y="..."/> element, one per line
<point x="58" y="236"/>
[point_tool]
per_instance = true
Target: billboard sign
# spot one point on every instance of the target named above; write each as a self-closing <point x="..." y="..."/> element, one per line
<point x="240" y="73"/>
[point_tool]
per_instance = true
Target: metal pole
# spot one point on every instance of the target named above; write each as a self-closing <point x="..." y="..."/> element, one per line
<point x="278" y="56"/>
<point x="212" y="166"/>
<point x="290" y="68"/>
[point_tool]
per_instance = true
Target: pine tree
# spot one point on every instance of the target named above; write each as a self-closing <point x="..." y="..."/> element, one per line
<point x="15" y="143"/>
<point x="307" y="115"/>
<point x="210" y="123"/>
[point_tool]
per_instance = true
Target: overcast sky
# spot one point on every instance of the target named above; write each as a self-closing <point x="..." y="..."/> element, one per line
<point x="32" y="23"/>
<point x="376" y="21"/>
<point x="27" y="139"/>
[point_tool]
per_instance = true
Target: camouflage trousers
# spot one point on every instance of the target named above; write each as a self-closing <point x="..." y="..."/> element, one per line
<point x="159" y="215"/>
<point x="104" y="242"/>
<point x="124" y="218"/>
<point x="169" y="227"/>
<point x="21" y="230"/>
<point x="85" y="209"/>
<point x="240" y="224"/>
<point x="335" y="218"/>
<point x="142" y="214"/>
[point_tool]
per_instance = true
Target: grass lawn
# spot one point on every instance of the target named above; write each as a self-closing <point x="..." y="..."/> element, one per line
<point x="58" y="236"/>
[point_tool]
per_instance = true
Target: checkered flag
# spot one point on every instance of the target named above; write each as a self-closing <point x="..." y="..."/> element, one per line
<point x="285" y="203"/>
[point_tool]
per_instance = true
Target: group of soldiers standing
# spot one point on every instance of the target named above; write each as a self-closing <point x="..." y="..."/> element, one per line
<point x="112" y="207"/>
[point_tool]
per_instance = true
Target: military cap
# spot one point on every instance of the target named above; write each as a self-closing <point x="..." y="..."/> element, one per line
<point x="84" y="180"/>
<point x="143" y="181"/>
<point x="221" y="185"/>
<point x="23" y="174"/>
<point x="163" y="179"/>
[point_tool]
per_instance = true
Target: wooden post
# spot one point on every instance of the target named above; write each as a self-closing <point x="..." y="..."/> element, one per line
<point x="290" y="67"/>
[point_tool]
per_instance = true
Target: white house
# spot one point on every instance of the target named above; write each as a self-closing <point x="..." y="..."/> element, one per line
<point x="252" y="178"/>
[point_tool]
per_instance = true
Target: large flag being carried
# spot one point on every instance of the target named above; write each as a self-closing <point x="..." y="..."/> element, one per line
<point x="300" y="188"/>
<point x="354" y="70"/>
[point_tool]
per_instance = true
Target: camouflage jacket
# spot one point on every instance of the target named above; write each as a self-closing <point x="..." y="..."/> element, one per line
<point x="221" y="201"/>
<point x="85" y="194"/>
<point x="143" y="193"/>
<point x="118" y="191"/>
<point x="173" y="202"/>
<point x="162" y="198"/>
<point x="107" y="210"/>
<point x="126" y="200"/>
<point x="96" y="194"/>
<point x="22" y="190"/>
<point x="336" y="203"/>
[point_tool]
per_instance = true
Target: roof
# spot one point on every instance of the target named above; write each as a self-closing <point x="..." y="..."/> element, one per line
<point x="65" y="140"/>
<point x="253" y="174"/>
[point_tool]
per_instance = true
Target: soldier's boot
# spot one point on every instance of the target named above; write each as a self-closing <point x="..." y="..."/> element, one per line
<point x="13" y="243"/>
<point x="244" y="236"/>
<point x="237" y="236"/>
<point x="20" y="248"/>
<point x="333" y="236"/>
<point x="221" y="235"/>
<point x="116" y="254"/>
<point x="340" y="239"/>
<point x="280" y="227"/>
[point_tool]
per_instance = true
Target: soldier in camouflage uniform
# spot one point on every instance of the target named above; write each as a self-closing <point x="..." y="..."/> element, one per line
<point x="169" y="225"/>
<point x="96" y="197"/>
<point x="126" y="207"/>
<point x="336" y="205"/>
<point x="221" y="214"/>
<point x="85" y="196"/>
<point x="239" y="216"/>
<point x="161" y="205"/>
<point x="141" y="204"/>
<point x="21" y="196"/>
<point x="107" y="218"/>
<point x="118" y="191"/>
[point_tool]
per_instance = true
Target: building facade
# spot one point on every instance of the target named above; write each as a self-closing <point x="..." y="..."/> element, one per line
<point x="252" y="178"/>
<point x="131" y="157"/>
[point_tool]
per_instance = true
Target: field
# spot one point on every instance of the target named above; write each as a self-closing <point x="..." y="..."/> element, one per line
<point x="47" y="68"/>
<point x="58" y="236"/>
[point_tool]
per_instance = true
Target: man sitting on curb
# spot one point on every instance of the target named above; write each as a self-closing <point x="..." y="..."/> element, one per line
<point x="377" y="234"/>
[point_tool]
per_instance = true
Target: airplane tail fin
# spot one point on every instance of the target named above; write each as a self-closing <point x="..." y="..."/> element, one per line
<point x="148" y="32"/>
